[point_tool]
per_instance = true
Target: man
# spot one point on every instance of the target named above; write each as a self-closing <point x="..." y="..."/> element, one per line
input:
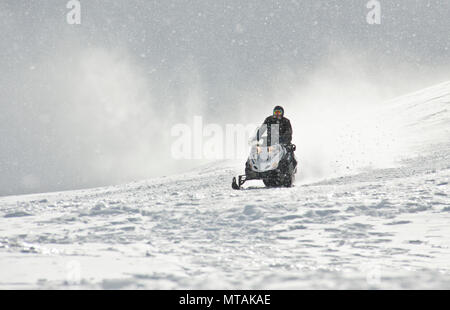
<point x="278" y="128"/>
<point x="279" y="131"/>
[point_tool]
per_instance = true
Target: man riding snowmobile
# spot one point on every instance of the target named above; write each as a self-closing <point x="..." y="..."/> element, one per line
<point x="272" y="158"/>
<point x="282" y="127"/>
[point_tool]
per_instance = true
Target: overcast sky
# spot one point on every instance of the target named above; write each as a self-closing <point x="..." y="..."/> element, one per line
<point x="92" y="104"/>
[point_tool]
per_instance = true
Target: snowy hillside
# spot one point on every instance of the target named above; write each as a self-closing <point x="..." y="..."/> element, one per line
<point x="383" y="227"/>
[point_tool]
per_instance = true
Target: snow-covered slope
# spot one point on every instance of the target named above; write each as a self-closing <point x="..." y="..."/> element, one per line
<point x="383" y="227"/>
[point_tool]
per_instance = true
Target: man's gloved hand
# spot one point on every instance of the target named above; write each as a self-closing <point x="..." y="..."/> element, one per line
<point x="290" y="147"/>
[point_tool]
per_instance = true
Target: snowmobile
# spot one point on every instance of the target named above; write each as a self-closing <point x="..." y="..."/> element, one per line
<point x="275" y="165"/>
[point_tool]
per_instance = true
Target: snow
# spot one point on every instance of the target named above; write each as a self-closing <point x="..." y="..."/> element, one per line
<point x="384" y="227"/>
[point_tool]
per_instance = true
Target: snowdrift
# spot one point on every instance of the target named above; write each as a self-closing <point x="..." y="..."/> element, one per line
<point x="384" y="225"/>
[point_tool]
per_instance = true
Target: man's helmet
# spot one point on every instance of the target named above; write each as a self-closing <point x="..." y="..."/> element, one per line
<point x="278" y="112"/>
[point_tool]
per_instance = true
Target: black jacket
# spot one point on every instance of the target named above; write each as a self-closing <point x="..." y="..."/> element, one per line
<point x="285" y="130"/>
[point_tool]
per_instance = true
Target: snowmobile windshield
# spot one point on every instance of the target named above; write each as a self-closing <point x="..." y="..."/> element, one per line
<point x="260" y="136"/>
